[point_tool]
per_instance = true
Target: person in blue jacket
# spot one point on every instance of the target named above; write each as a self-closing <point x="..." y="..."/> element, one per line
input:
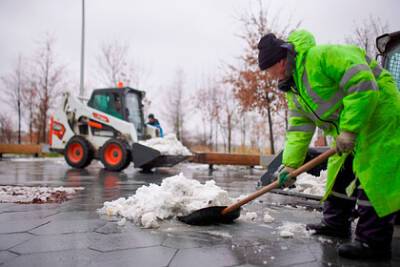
<point x="154" y="122"/>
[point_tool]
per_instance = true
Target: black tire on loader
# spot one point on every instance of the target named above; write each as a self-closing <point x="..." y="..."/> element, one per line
<point x="78" y="152"/>
<point x="128" y="161"/>
<point x="115" y="155"/>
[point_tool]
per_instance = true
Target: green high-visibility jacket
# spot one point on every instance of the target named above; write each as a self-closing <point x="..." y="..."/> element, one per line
<point x="340" y="89"/>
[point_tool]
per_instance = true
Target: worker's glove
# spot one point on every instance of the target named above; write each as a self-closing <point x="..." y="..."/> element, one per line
<point x="345" y="142"/>
<point x="283" y="176"/>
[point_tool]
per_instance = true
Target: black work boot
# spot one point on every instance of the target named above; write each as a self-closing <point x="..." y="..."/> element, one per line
<point x="325" y="229"/>
<point x="361" y="250"/>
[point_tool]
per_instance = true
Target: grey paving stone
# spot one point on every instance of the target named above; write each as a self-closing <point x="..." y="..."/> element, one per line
<point x="109" y="228"/>
<point x="327" y="254"/>
<point x="182" y="243"/>
<point x="192" y="240"/>
<point x="210" y="256"/>
<point x="6" y="256"/>
<point x="143" y="257"/>
<point x="47" y="243"/>
<point x="4" y="206"/>
<point x="111" y="242"/>
<point x="67" y="227"/>
<point x="81" y="257"/>
<point x="21" y="226"/>
<point x="30" y="207"/>
<point x="10" y="240"/>
<point x="275" y="254"/>
<point x="66" y="215"/>
<point x="26" y="215"/>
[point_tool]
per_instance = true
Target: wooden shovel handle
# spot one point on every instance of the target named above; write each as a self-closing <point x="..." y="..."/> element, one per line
<point x="307" y="166"/>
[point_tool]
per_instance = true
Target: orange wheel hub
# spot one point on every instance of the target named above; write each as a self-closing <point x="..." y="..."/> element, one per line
<point x="113" y="154"/>
<point x="75" y="152"/>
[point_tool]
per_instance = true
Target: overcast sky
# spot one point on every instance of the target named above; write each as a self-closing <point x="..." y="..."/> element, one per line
<point x="195" y="35"/>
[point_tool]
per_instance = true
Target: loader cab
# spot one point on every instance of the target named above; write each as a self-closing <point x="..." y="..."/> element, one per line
<point x="122" y="103"/>
<point x="389" y="48"/>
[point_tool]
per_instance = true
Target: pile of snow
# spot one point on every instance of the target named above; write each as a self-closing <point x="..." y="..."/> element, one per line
<point x="167" y="145"/>
<point x="290" y="229"/>
<point x="28" y="194"/>
<point x="310" y="184"/>
<point x="249" y="216"/>
<point x="268" y="218"/>
<point x="176" y="196"/>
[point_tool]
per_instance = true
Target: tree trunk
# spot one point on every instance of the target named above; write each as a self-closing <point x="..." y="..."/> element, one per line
<point x="229" y="133"/>
<point x="243" y="131"/>
<point x="19" y="120"/>
<point x="44" y="119"/>
<point x="216" y="137"/>
<point x="271" y="133"/>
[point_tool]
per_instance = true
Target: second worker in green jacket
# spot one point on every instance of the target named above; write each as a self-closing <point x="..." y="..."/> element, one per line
<point x="340" y="90"/>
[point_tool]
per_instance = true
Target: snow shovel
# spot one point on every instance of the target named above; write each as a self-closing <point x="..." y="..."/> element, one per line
<point x="227" y="214"/>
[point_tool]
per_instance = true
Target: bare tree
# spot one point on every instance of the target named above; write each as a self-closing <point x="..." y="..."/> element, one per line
<point x="208" y="105"/>
<point x="228" y="117"/>
<point x="30" y="102"/>
<point x="175" y="105"/>
<point x="6" y="129"/>
<point x="116" y="66"/>
<point x="13" y="85"/>
<point x="244" y="126"/>
<point x="46" y="80"/>
<point x="254" y="89"/>
<point x="365" y="33"/>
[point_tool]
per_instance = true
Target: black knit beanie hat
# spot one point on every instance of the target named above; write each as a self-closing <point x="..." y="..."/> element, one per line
<point x="270" y="51"/>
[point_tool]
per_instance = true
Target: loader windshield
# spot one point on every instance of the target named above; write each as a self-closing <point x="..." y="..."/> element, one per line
<point x="394" y="64"/>
<point x="109" y="103"/>
<point x="134" y="111"/>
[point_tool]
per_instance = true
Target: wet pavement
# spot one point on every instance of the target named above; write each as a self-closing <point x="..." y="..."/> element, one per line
<point x="73" y="234"/>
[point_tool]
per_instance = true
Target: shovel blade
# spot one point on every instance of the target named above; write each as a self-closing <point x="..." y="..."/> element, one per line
<point x="209" y="216"/>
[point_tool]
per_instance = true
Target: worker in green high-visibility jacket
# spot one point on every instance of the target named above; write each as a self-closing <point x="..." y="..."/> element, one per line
<point x="340" y="90"/>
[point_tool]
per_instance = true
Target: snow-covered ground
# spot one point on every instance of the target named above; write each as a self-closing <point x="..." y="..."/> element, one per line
<point x="176" y="196"/>
<point x="28" y="194"/>
<point x="167" y="145"/>
<point x="59" y="160"/>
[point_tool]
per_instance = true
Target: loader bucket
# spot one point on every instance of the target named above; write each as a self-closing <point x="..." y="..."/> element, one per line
<point x="143" y="155"/>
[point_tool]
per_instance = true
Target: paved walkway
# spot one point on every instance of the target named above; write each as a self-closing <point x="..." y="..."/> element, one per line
<point x="73" y="234"/>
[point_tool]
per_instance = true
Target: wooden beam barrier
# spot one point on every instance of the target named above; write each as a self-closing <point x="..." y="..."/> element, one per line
<point x="20" y="149"/>
<point x="226" y="159"/>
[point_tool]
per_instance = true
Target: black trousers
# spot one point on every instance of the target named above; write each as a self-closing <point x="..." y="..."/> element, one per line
<point x="339" y="210"/>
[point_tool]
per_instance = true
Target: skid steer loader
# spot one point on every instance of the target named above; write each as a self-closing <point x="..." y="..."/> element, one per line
<point x="106" y="128"/>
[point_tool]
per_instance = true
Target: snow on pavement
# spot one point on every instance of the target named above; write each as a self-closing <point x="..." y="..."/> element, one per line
<point x="167" y="145"/>
<point x="249" y="216"/>
<point x="292" y="229"/>
<point x="29" y="194"/>
<point x="268" y="217"/>
<point x="176" y="196"/>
